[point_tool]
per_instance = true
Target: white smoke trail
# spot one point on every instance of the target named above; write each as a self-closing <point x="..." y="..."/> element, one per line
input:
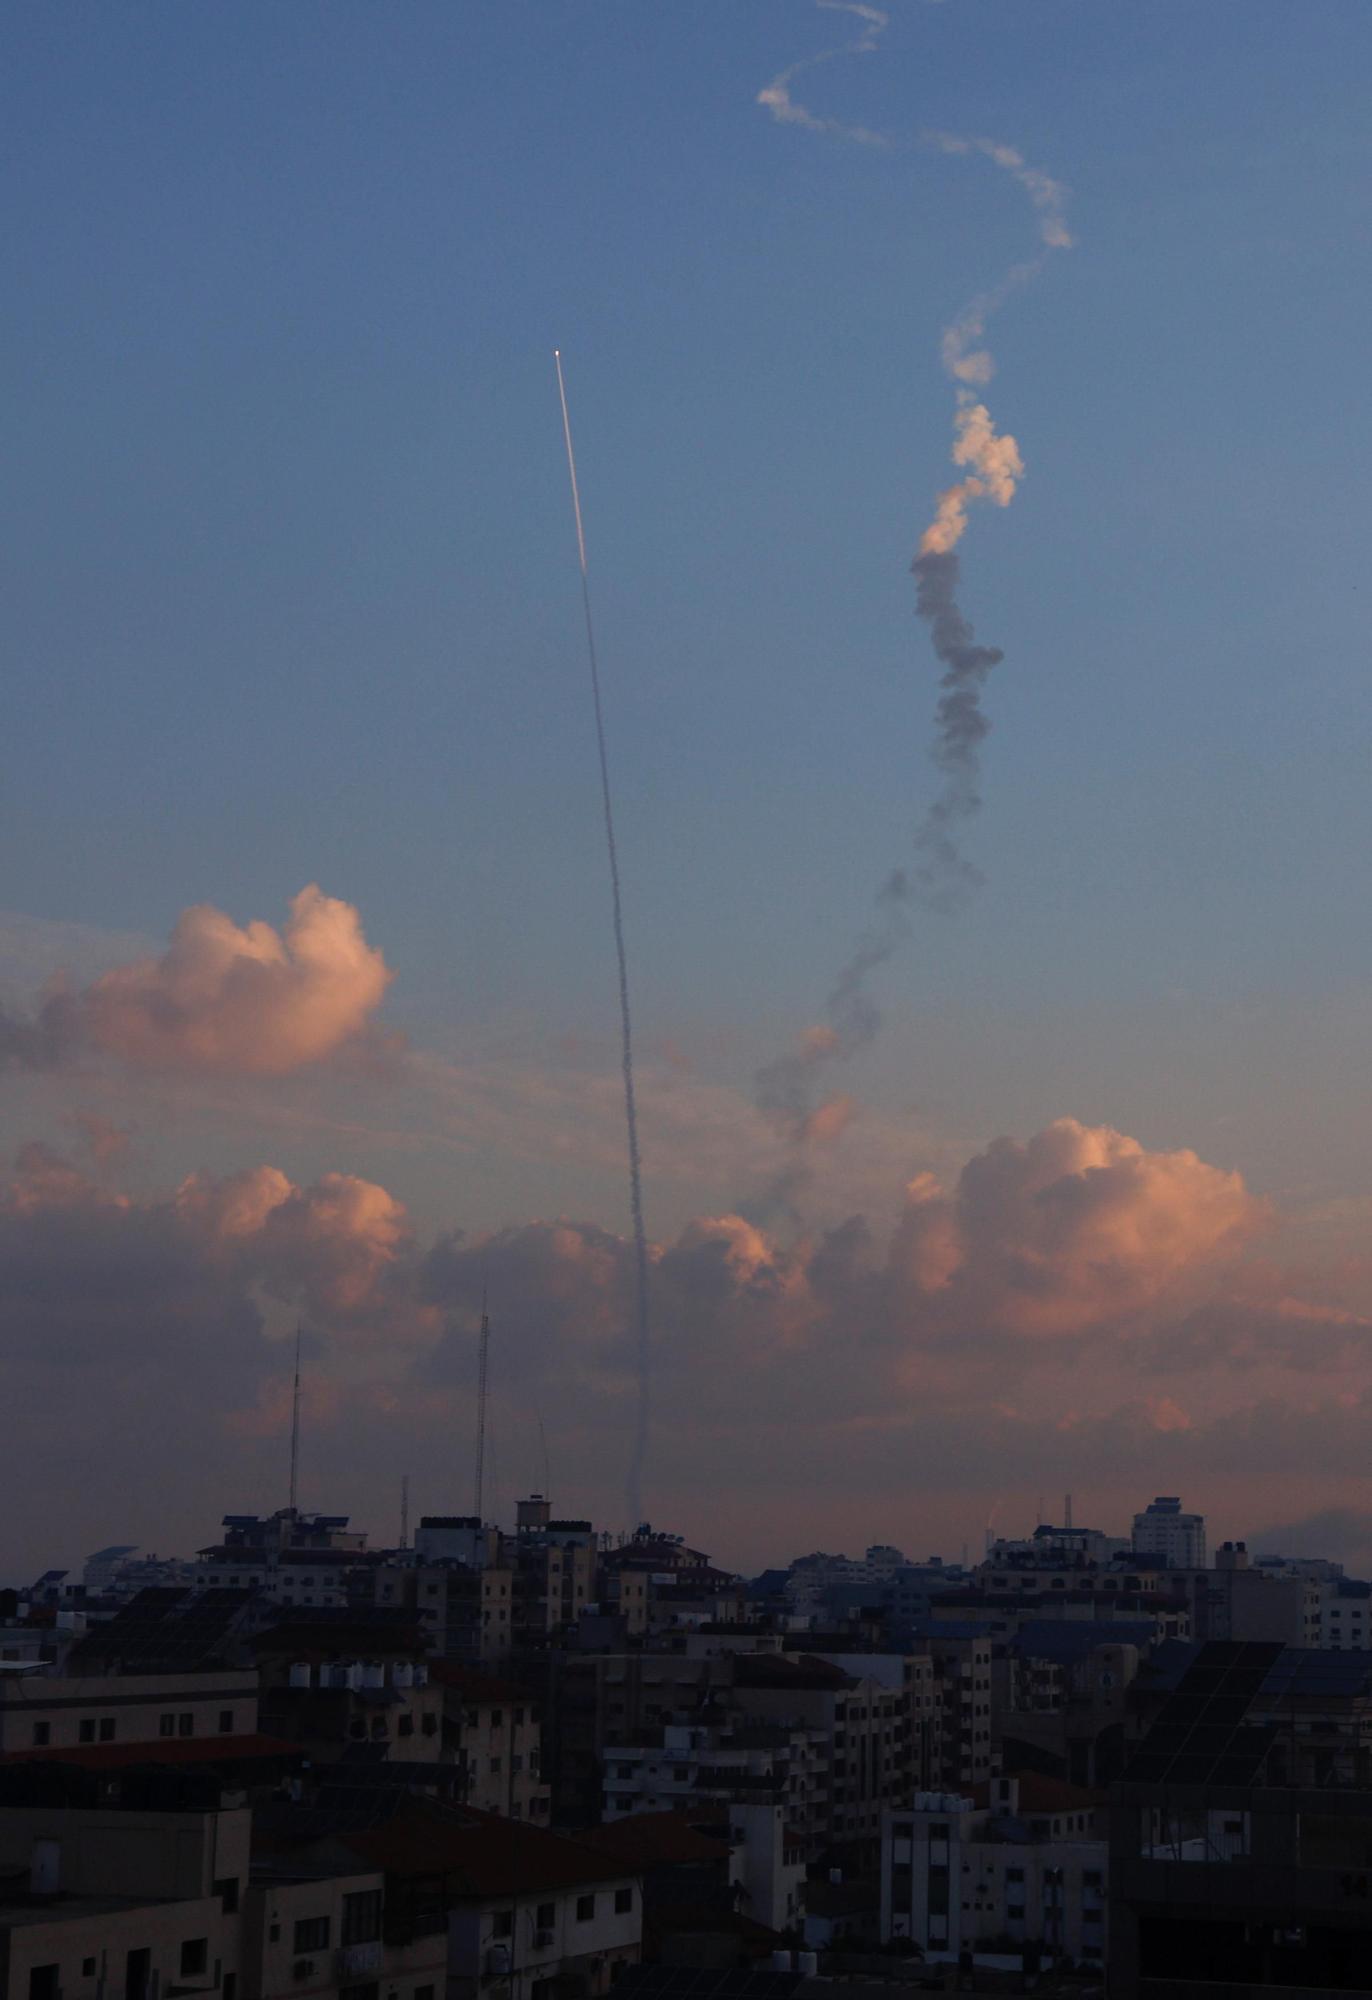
<point x="942" y="878"/>
<point x="642" y="1331"/>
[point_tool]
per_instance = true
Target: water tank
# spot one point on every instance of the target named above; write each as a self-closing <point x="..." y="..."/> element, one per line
<point x="781" y="1961"/>
<point x="421" y="1674"/>
<point x="807" y="1964"/>
<point x="354" y="1675"/>
<point x="302" y="1674"/>
<point x="402" y="1674"/>
<point x="835" y="1877"/>
<point x="373" y="1675"/>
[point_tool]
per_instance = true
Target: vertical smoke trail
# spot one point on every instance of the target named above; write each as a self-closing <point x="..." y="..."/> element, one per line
<point x="942" y="878"/>
<point x="640" y="1450"/>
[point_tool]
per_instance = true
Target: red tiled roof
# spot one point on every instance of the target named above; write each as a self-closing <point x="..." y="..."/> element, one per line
<point x="474" y="1685"/>
<point x="1038" y="1793"/>
<point x="162" y="1750"/>
<point x="481" y="1854"/>
<point x="300" y="1639"/>
<point x="650" y="1840"/>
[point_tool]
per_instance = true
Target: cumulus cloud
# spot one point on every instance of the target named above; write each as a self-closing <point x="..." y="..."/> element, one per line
<point x="223" y="998"/>
<point x="946" y="1354"/>
<point x="1077" y="1228"/>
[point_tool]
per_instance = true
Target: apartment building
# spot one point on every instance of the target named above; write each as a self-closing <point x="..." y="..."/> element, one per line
<point x="1163" y="1530"/>
<point x="1239" y="1843"/>
<point x="735" y="1760"/>
<point x="1021" y="1861"/>
<point x="493" y="1732"/>
<point x="960" y="1654"/>
<point x="140" y="1896"/>
<point x="338" y="1681"/>
<point x="40" y="1712"/>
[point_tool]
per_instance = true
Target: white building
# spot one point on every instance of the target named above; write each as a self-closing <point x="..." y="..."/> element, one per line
<point x="767" y="1862"/>
<point x="1030" y="1865"/>
<point x="1163" y="1530"/>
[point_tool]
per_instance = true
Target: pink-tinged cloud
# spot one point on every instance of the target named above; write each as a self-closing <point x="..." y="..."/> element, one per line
<point x="1079" y="1228"/>
<point x="1023" y="1321"/>
<point x="245" y="999"/>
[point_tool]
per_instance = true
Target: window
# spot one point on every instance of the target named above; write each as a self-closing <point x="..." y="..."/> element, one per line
<point x="519" y="1718"/>
<point x="43" y="1982"/>
<point x="585" y="1909"/>
<point x="42" y="1733"/>
<point x="502" y="1924"/>
<point x="227" y="1892"/>
<point x="405" y="1726"/>
<point x="1091" y="1877"/>
<point x="495" y="1767"/>
<point x="195" y="1957"/>
<point x="166" y="1725"/>
<point x="107" y="1729"/>
<point x="624" y="1901"/>
<point x="229" y="1987"/>
<point x="680" y="1773"/>
<point x="362" y="1917"/>
<point x="423" y="1993"/>
<point x="87" y="1730"/>
<point x="497" y="1717"/>
<point x="185" y="1725"/>
<point x="310" y="1934"/>
<point x="546" y="1916"/>
<point x="429" y="1724"/>
<point x="226" y="1722"/>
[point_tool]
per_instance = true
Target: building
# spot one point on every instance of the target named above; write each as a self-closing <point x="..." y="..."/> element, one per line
<point x="350" y="1684"/>
<point x="1022" y="1861"/>
<point x="1239" y="1836"/>
<point x="1162" y="1530"/>
<point x="733" y="1761"/>
<point x="493" y="1732"/>
<point x="523" y="1914"/>
<point x="138" y="1894"/>
<point x="40" y="1712"/>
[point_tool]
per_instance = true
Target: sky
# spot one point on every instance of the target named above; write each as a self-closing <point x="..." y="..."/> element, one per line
<point x="310" y="1010"/>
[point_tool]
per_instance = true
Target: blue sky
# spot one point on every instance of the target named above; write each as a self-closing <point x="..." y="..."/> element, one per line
<point x="291" y="589"/>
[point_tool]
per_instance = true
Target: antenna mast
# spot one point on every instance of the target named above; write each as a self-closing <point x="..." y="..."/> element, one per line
<point x="405" y="1511"/>
<point x="295" y="1424"/>
<point x="482" y="1371"/>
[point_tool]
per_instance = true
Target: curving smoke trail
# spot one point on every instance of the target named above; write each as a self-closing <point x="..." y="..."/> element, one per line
<point x="642" y="1341"/>
<point x="941" y="878"/>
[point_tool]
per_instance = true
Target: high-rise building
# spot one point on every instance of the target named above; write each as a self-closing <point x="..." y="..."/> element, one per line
<point x="1163" y="1530"/>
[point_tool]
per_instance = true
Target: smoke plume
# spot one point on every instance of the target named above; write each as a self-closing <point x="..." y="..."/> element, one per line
<point x="942" y="878"/>
<point x="642" y="1328"/>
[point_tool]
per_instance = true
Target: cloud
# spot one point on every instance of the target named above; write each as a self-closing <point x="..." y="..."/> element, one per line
<point x="249" y="1000"/>
<point x="222" y="999"/>
<point x="1344" y="1533"/>
<point x="1013" y="1323"/>
<point x="1076" y="1229"/>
